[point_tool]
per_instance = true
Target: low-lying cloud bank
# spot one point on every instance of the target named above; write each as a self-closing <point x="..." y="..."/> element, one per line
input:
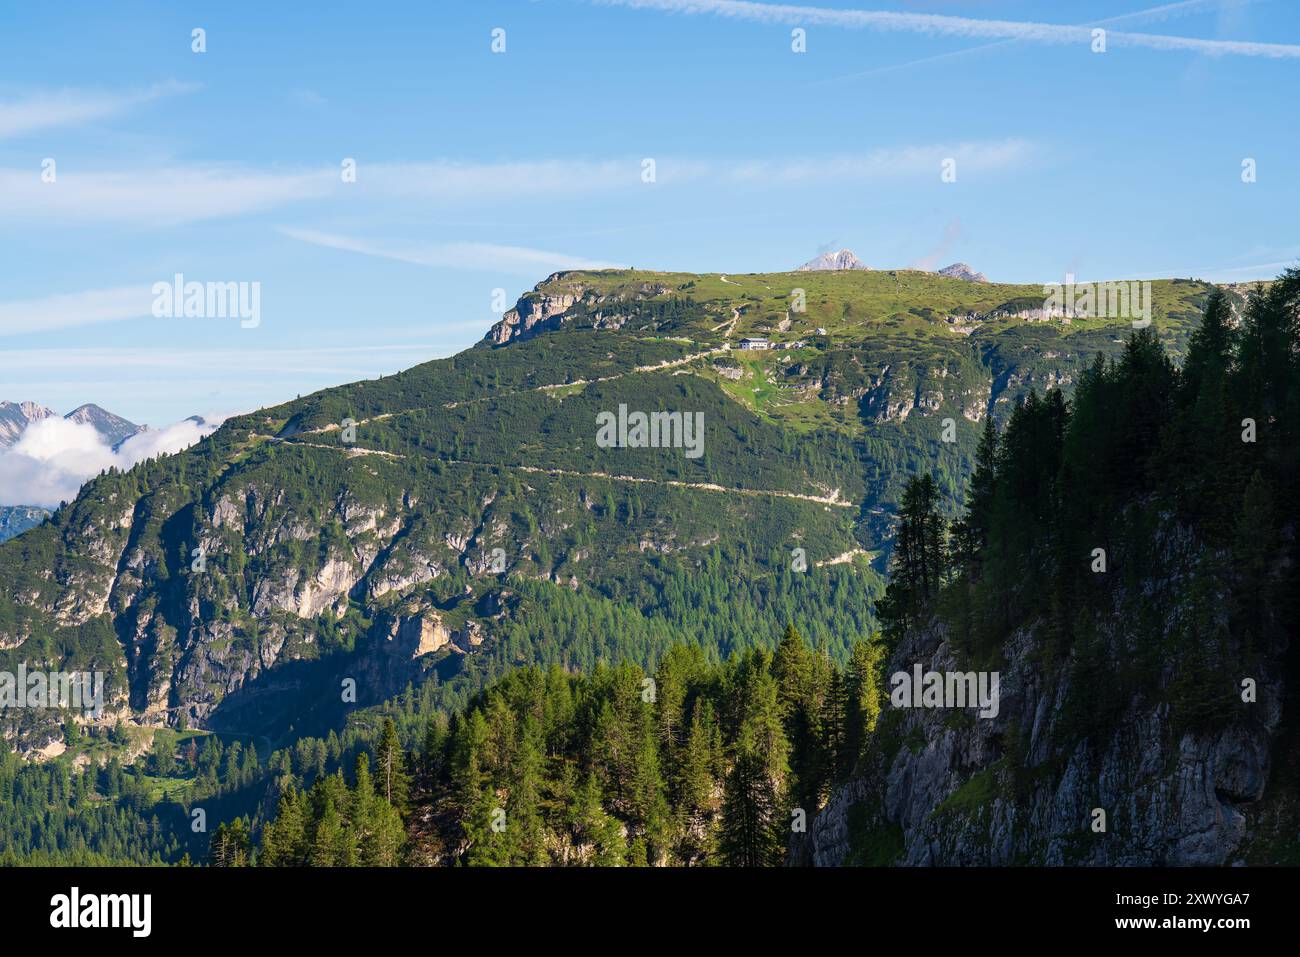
<point x="54" y="457"/>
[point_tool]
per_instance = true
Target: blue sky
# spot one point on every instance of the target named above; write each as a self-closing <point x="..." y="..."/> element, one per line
<point x="479" y="171"/>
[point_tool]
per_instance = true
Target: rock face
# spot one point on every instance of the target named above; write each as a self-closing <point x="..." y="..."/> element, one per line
<point x="16" y="519"/>
<point x="532" y="312"/>
<point x="561" y="298"/>
<point x="945" y="787"/>
<point x="844" y="259"/>
<point x="962" y="271"/>
<point x="16" y="416"/>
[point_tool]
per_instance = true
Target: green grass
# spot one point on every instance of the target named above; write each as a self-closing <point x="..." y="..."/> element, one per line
<point x="979" y="791"/>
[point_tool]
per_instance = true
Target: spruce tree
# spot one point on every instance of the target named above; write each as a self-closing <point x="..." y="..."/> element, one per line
<point x="390" y="767"/>
<point x="754" y="826"/>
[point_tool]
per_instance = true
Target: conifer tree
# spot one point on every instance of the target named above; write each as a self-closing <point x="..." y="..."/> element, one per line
<point x="754" y="826"/>
<point x="284" y="838"/>
<point x="801" y="694"/>
<point x="864" y="696"/>
<point x="390" y="767"/>
<point x="594" y="828"/>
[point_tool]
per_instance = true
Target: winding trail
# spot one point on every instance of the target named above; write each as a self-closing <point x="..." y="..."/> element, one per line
<point x="730" y="323"/>
<point x="552" y="387"/>
<point x="833" y="499"/>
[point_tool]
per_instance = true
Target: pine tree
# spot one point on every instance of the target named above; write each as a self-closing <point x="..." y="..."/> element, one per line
<point x="754" y="827"/>
<point x="800" y="692"/>
<point x="593" y="827"/>
<point x="1254" y="549"/>
<point x="971" y="533"/>
<point x="525" y="827"/>
<point x="230" y="845"/>
<point x="390" y="766"/>
<point x="918" y="559"/>
<point x="694" y="786"/>
<point x="864" y="697"/>
<point x="284" y="838"/>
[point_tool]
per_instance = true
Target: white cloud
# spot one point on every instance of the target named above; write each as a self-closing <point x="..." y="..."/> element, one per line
<point x="888" y="163"/>
<point x="183" y="194"/>
<point x="931" y="24"/>
<point x="486" y="257"/>
<point x="158" y="197"/>
<point x="350" y="359"/>
<point x="449" y="179"/>
<point x="69" y="107"/>
<point x="75" y="309"/>
<point x="155" y="442"/>
<point x="54" y="457"/>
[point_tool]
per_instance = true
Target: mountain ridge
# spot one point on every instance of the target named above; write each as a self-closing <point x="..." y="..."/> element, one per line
<point x="390" y="538"/>
<point x="15" y="417"/>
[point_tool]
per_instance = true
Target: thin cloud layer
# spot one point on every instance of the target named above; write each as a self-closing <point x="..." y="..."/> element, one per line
<point x="74" y="309"/>
<point x="184" y="194"/>
<point x="155" y="197"/>
<point x="45" y="110"/>
<point x="486" y="257"/>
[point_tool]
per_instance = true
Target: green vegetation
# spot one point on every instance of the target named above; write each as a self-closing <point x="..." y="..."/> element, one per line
<point x="1139" y="532"/>
<point x="699" y="763"/>
<point x="320" y="558"/>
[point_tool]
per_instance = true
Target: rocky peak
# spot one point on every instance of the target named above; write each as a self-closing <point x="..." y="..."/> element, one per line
<point x="962" y="271"/>
<point x="16" y="416"/>
<point x="844" y="259"/>
<point x="113" y="429"/>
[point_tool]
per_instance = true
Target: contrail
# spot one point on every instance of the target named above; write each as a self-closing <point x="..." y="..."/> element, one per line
<point x="1161" y="12"/>
<point x="931" y="24"/>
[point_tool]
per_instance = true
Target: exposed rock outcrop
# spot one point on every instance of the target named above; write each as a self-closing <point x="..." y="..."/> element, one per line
<point x="946" y="787"/>
<point x="844" y="259"/>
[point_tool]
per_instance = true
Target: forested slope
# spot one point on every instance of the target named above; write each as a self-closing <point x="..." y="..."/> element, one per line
<point x="420" y="536"/>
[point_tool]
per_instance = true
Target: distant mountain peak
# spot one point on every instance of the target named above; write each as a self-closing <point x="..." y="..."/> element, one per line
<point x="16" y="416"/>
<point x="962" y="271"/>
<point x="844" y="259"/>
<point x="112" y="428"/>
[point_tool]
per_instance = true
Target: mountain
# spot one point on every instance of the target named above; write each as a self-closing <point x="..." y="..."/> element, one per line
<point x="15" y="519"/>
<point x="16" y="416"/>
<point x="1094" y="665"/>
<point x="1125" y="565"/>
<point x="387" y="544"/>
<point x="962" y="271"/>
<point x="844" y="259"/>
<point x="422" y="535"/>
<point x="112" y="428"/>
